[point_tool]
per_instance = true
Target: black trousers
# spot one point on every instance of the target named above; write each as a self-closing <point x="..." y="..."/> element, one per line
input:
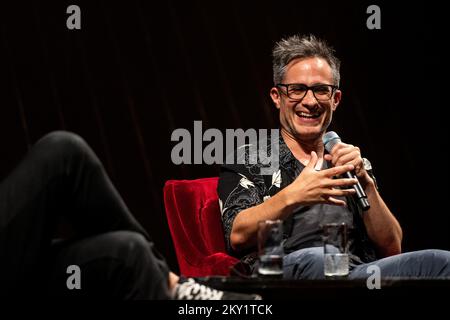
<point x="61" y="178"/>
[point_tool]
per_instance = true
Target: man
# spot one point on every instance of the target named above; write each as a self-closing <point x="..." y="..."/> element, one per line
<point x="61" y="177"/>
<point x="305" y="192"/>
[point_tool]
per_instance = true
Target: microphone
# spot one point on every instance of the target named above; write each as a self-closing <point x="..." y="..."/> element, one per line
<point x="330" y="139"/>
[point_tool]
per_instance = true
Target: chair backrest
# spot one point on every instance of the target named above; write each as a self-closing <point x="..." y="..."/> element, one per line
<point x="194" y="218"/>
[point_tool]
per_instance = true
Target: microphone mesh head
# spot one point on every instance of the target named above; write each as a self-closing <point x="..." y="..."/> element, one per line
<point x="330" y="139"/>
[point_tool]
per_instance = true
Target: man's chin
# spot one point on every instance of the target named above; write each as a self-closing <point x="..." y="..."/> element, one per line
<point x="308" y="134"/>
<point x="304" y="133"/>
<point x="307" y="137"/>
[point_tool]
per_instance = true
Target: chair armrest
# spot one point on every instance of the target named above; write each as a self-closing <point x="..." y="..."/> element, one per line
<point x="218" y="263"/>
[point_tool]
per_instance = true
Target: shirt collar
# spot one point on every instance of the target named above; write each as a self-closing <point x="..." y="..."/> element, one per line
<point x="286" y="155"/>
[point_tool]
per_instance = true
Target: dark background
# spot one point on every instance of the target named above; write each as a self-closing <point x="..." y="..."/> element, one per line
<point x="137" y="70"/>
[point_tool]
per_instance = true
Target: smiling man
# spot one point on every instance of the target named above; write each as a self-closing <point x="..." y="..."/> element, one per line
<point x="308" y="190"/>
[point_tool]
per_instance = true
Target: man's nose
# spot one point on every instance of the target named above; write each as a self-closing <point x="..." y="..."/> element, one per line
<point x="309" y="98"/>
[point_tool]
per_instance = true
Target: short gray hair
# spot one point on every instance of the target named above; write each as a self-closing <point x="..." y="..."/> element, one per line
<point x="297" y="46"/>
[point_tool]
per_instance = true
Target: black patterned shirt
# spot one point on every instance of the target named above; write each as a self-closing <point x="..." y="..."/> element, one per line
<point x="241" y="186"/>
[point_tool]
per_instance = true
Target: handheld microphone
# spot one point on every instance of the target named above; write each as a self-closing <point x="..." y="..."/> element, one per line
<point x="330" y="139"/>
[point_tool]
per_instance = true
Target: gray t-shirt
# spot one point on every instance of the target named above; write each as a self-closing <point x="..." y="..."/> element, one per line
<point x="307" y="221"/>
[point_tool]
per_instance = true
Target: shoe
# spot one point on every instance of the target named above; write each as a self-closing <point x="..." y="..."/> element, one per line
<point x="189" y="289"/>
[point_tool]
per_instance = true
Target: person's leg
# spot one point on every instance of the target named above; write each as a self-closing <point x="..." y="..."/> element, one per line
<point x="60" y="176"/>
<point x="304" y="264"/>
<point x="424" y="263"/>
<point x="118" y="265"/>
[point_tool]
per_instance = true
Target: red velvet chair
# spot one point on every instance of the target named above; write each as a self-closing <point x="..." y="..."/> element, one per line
<point x="193" y="213"/>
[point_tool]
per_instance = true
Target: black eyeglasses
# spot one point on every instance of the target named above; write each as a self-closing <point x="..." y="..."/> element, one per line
<point x="297" y="91"/>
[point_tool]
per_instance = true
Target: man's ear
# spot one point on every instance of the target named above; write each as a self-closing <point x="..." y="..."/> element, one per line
<point x="276" y="97"/>
<point x="336" y="99"/>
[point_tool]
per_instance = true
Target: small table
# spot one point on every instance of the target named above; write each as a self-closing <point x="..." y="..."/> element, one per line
<point x="330" y="289"/>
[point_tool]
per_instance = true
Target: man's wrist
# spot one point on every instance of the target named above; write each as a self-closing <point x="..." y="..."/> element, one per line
<point x="368" y="180"/>
<point x="285" y="197"/>
<point x="368" y="183"/>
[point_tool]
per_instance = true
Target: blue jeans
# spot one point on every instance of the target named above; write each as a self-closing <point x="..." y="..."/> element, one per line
<point x="308" y="264"/>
